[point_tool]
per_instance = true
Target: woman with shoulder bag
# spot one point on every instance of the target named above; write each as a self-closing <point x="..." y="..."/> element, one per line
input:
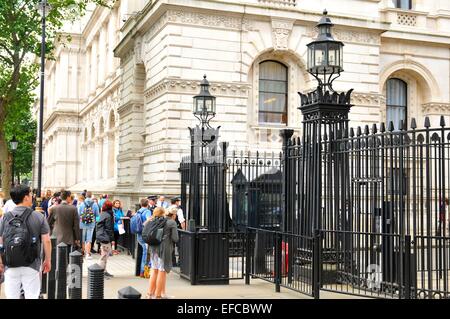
<point x="161" y="255"/>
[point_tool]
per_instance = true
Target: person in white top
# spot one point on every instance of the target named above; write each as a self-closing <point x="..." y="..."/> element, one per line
<point x="2" y="196"/>
<point x="9" y="206"/>
<point x="181" y="222"/>
<point x="162" y="203"/>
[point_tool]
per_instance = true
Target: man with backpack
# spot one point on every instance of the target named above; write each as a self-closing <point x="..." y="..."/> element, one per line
<point x="22" y="231"/>
<point x="137" y="225"/>
<point x="88" y="212"/>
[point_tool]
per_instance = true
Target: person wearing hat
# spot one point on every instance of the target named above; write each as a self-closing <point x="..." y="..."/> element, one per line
<point x="179" y="219"/>
<point x="151" y="202"/>
<point x="181" y="222"/>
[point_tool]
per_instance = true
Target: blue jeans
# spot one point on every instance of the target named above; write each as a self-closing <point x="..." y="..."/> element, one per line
<point x="87" y="235"/>
<point x="144" y="251"/>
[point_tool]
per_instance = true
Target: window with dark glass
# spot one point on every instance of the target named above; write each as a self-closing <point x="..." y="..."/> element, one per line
<point x="396" y="102"/>
<point x="273" y="88"/>
<point x="403" y="4"/>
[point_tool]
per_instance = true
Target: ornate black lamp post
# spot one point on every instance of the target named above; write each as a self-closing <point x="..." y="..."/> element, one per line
<point x="44" y="9"/>
<point x="13" y="144"/>
<point x="325" y="118"/>
<point x="203" y="148"/>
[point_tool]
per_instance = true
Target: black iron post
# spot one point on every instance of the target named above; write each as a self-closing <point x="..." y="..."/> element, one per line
<point x="12" y="168"/>
<point x="129" y="293"/>
<point x="51" y="277"/>
<point x="96" y="282"/>
<point x="317" y="263"/>
<point x="76" y="275"/>
<point x="407" y="269"/>
<point x="248" y="256"/>
<point x="222" y="193"/>
<point x="13" y="144"/>
<point x="44" y="8"/>
<point x="278" y="261"/>
<point x="61" y="271"/>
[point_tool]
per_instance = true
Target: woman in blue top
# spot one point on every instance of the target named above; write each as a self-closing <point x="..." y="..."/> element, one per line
<point x="118" y="214"/>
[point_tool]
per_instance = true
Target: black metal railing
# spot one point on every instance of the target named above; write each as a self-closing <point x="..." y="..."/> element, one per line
<point x="378" y="197"/>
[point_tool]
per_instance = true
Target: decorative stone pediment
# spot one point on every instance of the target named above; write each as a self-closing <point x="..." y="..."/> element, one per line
<point x="281" y="31"/>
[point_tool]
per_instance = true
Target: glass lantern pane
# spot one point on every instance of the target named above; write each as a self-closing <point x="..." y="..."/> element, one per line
<point x="332" y="57"/>
<point x="208" y="105"/>
<point x="320" y="57"/>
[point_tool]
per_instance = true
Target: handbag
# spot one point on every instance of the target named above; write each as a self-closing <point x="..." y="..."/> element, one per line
<point x="121" y="229"/>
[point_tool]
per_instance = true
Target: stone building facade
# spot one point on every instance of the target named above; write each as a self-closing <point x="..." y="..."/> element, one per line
<point x="119" y="96"/>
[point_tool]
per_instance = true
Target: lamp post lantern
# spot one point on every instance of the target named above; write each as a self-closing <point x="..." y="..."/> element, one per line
<point x="13" y="144"/>
<point x="44" y="9"/>
<point x="325" y="55"/>
<point x="204" y="104"/>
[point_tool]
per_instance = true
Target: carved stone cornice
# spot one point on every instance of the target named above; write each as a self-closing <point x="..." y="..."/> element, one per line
<point x="192" y="86"/>
<point x="197" y="18"/>
<point x="131" y="106"/>
<point x="68" y="130"/>
<point x="436" y="107"/>
<point x="361" y="98"/>
<point x="347" y="35"/>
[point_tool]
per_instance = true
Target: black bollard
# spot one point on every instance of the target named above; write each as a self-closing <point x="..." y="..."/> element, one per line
<point x="75" y="275"/>
<point x="129" y="293"/>
<point x="96" y="282"/>
<point x="61" y="271"/>
<point x="51" y="279"/>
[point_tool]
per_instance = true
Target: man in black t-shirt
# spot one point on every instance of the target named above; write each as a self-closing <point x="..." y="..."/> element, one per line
<point x="27" y="276"/>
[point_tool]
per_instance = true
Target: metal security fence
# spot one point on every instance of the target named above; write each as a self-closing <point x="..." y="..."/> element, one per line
<point x="366" y="264"/>
<point x="377" y="197"/>
<point x="287" y="260"/>
<point x="432" y="265"/>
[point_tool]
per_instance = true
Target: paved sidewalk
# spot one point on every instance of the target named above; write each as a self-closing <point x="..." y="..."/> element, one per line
<point x="122" y="267"/>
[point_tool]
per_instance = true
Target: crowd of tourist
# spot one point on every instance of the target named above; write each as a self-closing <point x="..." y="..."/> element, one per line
<point x="80" y="222"/>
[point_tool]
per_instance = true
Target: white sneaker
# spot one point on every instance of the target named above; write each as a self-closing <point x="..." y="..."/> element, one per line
<point x="88" y="257"/>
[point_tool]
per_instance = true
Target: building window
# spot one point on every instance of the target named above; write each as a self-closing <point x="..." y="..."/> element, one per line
<point x="273" y="88"/>
<point x="403" y="4"/>
<point x="396" y="105"/>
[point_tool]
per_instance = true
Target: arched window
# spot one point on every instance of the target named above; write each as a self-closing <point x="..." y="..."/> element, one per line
<point x="102" y="126"/>
<point x="396" y="101"/>
<point x="403" y="4"/>
<point x="112" y="120"/>
<point x="92" y="131"/>
<point x="273" y="88"/>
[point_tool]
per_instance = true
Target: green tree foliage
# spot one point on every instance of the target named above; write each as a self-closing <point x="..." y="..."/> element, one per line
<point x="20" y="43"/>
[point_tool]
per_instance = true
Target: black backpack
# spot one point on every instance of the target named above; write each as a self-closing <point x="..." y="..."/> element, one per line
<point x="153" y="231"/>
<point x="21" y="248"/>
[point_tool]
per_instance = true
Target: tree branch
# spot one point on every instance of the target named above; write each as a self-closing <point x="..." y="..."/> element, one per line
<point x="7" y="49"/>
